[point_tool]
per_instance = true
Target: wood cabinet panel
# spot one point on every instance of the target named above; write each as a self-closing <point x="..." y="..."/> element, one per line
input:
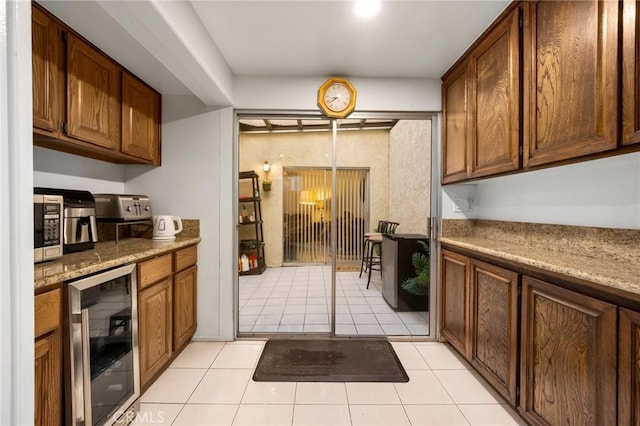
<point x="630" y="72"/>
<point x="454" y="291"/>
<point x="186" y="257"/>
<point x="454" y="129"/>
<point x="494" y="326"/>
<point x="571" y="66"/>
<point x="140" y="120"/>
<point x="155" y="328"/>
<point x="568" y="348"/>
<point x="48" y="311"/>
<point x="629" y="369"/>
<point x="46" y="71"/>
<point x="93" y="98"/>
<point x="494" y="107"/>
<point x="154" y="270"/>
<point x="184" y="306"/>
<point x="48" y="380"/>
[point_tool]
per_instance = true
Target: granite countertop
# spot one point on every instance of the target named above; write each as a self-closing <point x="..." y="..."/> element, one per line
<point x="621" y="274"/>
<point x="104" y="256"/>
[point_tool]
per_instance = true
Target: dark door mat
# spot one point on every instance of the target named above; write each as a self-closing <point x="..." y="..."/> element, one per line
<point x="329" y="360"/>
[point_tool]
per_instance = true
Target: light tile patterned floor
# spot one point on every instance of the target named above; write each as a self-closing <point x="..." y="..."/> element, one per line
<point x="298" y="299"/>
<point x="210" y="384"/>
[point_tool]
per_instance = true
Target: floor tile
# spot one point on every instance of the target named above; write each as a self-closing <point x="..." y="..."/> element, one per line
<point x="361" y="319"/>
<point x="156" y="414"/>
<point x="321" y="415"/>
<point x="371" y="329"/>
<point x="360" y="309"/>
<point x="269" y="393"/>
<point x="292" y="319"/>
<point x="321" y="393"/>
<point x="317" y="309"/>
<point x="263" y="415"/>
<point x="395" y="329"/>
<point x="290" y="328"/>
<point x="346" y="329"/>
<point x="465" y="387"/>
<point x="294" y="309"/>
<point x="198" y="355"/>
<point x="435" y="415"/>
<point x="418" y="329"/>
<point x="316" y="328"/>
<point x="265" y="328"/>
<point x="247" y="320"/>
<point x="206" y="415"/>
<point x="409" y="356"/>
<point x="371" y="393"/>
<point x="211" y="391"/>
<point x="422" y="388"/>
<point x="441" y="357"/>
<point x="250" y="310"/>
<point x="378" y="415"/>
<point x="491" y="415"/>
<point x="388" y="318"/>
<point x="174" y="386"/>
<point x="238" y="356"/>
<point x="381" y="309"/>
<point x="316" y="319"/>
<point x="344" y="319"/>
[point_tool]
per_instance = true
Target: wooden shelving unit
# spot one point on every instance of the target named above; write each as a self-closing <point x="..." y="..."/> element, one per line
<point x="251" y="237"/>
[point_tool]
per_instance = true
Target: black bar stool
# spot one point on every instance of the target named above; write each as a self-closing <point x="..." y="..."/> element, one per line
<point x="372" y="250"/>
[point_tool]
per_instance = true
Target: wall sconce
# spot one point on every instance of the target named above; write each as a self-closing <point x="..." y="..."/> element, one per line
<point x="266" y="183"/>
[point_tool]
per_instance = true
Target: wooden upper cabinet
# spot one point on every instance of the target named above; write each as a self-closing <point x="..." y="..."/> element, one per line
<point x="629" y="368"/>
<point x="568" y="357"/>
<point x="494" y="107"/>
<point x="93" y="95"/>
<point x="455" y="320"/>
<point x="455" y="128"/>
<point x="494" y="326"/>
<point x="630" y="72"/>
<point x="46" y="71"/>
<point x="571" y="79"/>
<point x="140" y="121"/>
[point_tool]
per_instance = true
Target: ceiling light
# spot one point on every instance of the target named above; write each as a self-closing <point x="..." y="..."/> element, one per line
<point x="367" y="8"/>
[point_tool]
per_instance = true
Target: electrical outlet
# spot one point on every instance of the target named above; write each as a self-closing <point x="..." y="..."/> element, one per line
<point x="458" y="205"/>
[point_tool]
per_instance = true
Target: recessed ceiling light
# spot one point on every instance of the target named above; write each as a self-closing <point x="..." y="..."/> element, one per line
<point x="367" y="8"/>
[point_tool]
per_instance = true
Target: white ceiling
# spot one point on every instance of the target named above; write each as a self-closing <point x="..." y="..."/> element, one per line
<point x="408" y="39"/>
<point x="200" y="46"/>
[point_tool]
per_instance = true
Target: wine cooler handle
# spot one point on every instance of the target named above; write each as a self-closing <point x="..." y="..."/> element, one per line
<point x="86" y="370"/>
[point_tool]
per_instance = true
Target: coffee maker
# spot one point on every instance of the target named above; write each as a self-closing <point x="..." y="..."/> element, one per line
<point x="79" y="225"/>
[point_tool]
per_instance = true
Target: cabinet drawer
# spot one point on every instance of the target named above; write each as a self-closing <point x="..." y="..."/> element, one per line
<point x="186" y="257"/>
<point x="47" y="311"/>
<point x="154" y="270"/>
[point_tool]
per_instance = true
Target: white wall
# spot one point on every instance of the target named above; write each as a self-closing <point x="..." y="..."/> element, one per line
<point x="600" y="193"/>
<point x="188" y="185"/>
<point x="374" y="94"/>
<point x="16" y="216"/>
<point x="53" y="169"/>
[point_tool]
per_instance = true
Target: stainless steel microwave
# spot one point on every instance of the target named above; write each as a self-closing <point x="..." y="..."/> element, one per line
<point x="47" y="227"/>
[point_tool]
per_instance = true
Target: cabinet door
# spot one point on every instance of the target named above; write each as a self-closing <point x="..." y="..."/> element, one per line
<point x="48" y="380"/>
<point x="455" y="301"/>
<point x="46" y="71"/>
<point x="140" y="122"/>
<point x="494" y="326"/>
<point x="154" y="329"/>
<point x="494" y="108"/>
<point x="629" y="369"/>
<point x="631" y="72"/>
<point x="454" y="128"/>
<point x="184" y="306"/>
<point x="93" y="95"/>
<point x="568" y="357"/>
<point x="571" y="79"/>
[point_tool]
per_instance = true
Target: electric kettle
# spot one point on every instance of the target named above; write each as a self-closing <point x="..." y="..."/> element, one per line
<point x="166" y="227"/>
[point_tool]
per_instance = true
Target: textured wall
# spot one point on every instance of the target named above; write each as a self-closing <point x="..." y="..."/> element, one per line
<point x="410" y="176"/>
<point x="363" y="149"/>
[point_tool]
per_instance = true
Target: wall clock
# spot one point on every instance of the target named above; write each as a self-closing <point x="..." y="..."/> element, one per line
<point x="337" y="97"/>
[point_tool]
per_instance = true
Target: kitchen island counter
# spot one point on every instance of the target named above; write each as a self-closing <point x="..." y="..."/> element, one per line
<point x="105" y="255"/>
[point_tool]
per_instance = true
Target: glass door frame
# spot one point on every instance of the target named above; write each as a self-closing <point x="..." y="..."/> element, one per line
<point x="435" y="210"/>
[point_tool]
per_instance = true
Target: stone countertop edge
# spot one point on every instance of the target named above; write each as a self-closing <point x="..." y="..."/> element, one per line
<point x="105" y="255"/>
<point x="620" y="275"/>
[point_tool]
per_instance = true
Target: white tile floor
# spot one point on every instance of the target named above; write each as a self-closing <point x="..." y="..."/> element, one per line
<point x="210" y="384"/>
<point x="298" y="300"/>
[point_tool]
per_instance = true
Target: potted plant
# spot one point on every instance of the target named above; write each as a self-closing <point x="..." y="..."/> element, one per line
<point x="419" y="285"/>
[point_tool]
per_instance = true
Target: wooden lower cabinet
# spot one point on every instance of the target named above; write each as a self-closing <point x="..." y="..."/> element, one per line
<point x="629" y="368"/>
<point x="454" y="290"/>
<point x="155" y="312"/>
<point x="494" y="326"/>
<point x="568" y="357"/>
<point x="48" y="380"/>
<point x="184" y="306"/>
